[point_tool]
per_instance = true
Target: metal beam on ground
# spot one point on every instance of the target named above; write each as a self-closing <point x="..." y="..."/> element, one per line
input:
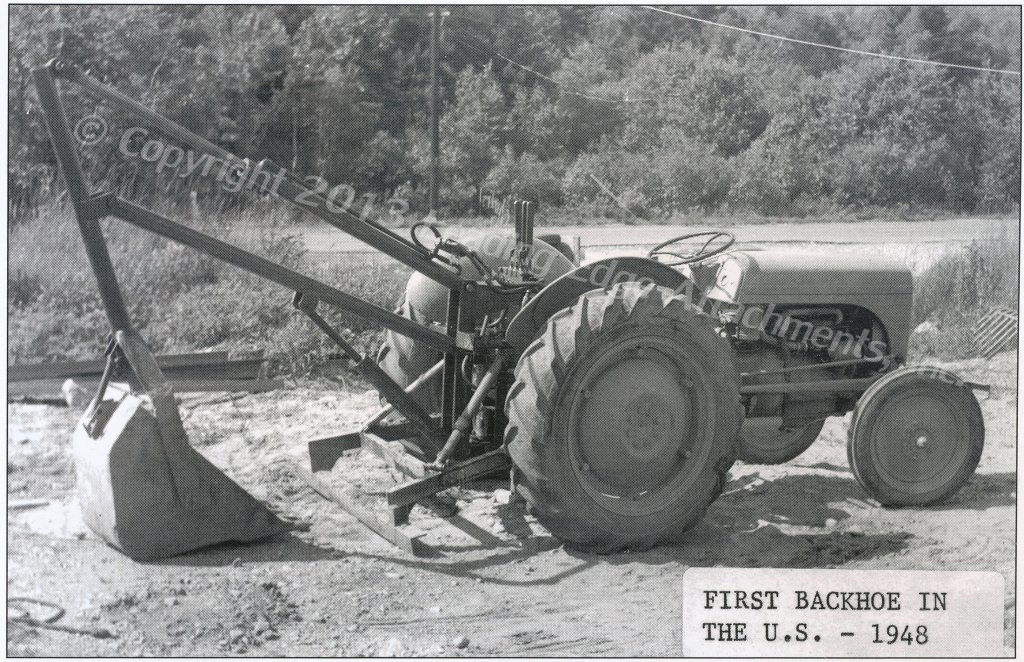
<point x="64" y="369"/>
<point x="457" y="474"/>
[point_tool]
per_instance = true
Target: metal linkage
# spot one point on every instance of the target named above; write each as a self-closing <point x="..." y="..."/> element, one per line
<point x="293" y="280"/>
<point x="452" y="383"/>
<point x="78" y="190"/>
<point x="458" y="474"/>
<point x="816" y="366"/>
<point x="824" y="385"/>
<point x="373" y="373"/>
<point x="463" y="425"/>
<point x="410" y="389"/>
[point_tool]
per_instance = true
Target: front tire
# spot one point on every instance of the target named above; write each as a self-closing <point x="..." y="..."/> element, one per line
<point x="624" y="418"/>
<point x="916" y="437"/>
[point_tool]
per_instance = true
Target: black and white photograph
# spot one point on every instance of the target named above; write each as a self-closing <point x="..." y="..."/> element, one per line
<point x="559" y="331"/>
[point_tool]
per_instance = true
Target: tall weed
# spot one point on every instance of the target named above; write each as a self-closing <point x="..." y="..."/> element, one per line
<point x="962" y="286"/>
<point x="179" y="298"/>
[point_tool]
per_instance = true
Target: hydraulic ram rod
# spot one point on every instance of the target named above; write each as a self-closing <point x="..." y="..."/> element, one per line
<point x="410" y="389"/>
<point x="463" y="425"/>
<point x="289" y="188"/>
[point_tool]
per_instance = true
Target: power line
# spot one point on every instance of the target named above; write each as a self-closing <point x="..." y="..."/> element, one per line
<point x="834" y="48"/>
<point x="548" y="78"/>
<point x="538" y="74"/>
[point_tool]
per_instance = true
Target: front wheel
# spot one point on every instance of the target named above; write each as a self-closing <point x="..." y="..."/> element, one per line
<point x="916" y="437"/>
<point x="624" y="418"/>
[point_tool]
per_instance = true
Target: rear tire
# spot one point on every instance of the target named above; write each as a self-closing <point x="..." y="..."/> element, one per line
<point x="624" y="418"/>
<point x="763" y="441"/>
<point x="404" y="359"/>
<point x="916" y="437"/>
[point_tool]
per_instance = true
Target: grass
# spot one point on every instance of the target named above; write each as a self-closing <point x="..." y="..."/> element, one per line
<point x="180" y="299"/>
<point x="954" y="292"/>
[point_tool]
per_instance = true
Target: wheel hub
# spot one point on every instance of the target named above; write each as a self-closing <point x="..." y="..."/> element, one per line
<point x="636" y="416"/>
<point x="928" y="440"/>
<point x="645" y="426"/>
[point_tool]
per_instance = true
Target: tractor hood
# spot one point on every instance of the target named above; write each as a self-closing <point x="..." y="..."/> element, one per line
<point x="766" y="275"/>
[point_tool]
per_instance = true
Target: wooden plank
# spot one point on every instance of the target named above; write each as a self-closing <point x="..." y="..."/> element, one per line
<point x="324" y="453"/>
<point x="229" y="385"/>
<point x="239" y="369"/>
<point x="994" y="326"/>
<point x="406" y="538"/>
<point x="394" y="455"/>
<point x="65" y="369"/>
<point x="400" y="430"/>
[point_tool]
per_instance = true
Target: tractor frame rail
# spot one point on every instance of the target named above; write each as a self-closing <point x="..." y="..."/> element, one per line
<point x="421" y="436"/>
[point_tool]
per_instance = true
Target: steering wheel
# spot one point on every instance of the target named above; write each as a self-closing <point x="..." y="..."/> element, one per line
<point x="707" y="249"/>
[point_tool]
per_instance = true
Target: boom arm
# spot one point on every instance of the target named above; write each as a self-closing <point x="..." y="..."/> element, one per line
<point x="90" y="208"/>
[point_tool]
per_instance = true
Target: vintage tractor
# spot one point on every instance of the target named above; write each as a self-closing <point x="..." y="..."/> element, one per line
<point x="638" y="382"/>
<point x="616" y="394"/>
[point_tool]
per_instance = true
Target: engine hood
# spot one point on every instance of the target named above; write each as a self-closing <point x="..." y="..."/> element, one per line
<point x="756" y="275"/>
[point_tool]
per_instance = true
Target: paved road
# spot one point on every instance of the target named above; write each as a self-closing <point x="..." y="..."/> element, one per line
<point x="323" y="239"/>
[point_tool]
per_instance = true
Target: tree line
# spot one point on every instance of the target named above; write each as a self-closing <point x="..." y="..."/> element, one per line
<point x="602" y="109"/>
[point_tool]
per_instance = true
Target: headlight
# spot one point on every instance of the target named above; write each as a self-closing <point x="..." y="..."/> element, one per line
<point x="729" y="276"/>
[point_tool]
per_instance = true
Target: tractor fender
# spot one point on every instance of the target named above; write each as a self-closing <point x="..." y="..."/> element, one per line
<point x="562" y="291"/>
<point x="429" y="299"/>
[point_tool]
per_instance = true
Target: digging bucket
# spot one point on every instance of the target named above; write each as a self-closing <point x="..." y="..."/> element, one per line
<point x="141" y="485"/>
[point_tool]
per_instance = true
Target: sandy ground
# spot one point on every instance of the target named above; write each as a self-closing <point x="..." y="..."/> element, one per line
<point x="510" y="589"/>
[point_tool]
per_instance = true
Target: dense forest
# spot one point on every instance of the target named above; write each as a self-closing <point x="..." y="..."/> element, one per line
<point x="589" y="108"/>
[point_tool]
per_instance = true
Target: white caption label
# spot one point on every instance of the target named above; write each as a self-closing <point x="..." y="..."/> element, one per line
<point x="750" y="612"/>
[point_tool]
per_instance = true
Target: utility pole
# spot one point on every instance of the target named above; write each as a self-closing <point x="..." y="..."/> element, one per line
<point x="435" y="132"/>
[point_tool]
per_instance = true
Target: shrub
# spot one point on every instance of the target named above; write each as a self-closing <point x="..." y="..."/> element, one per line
<point x="524" y="177"/>
<point x="959" y="289"/>
<point x="983" y="274"/>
